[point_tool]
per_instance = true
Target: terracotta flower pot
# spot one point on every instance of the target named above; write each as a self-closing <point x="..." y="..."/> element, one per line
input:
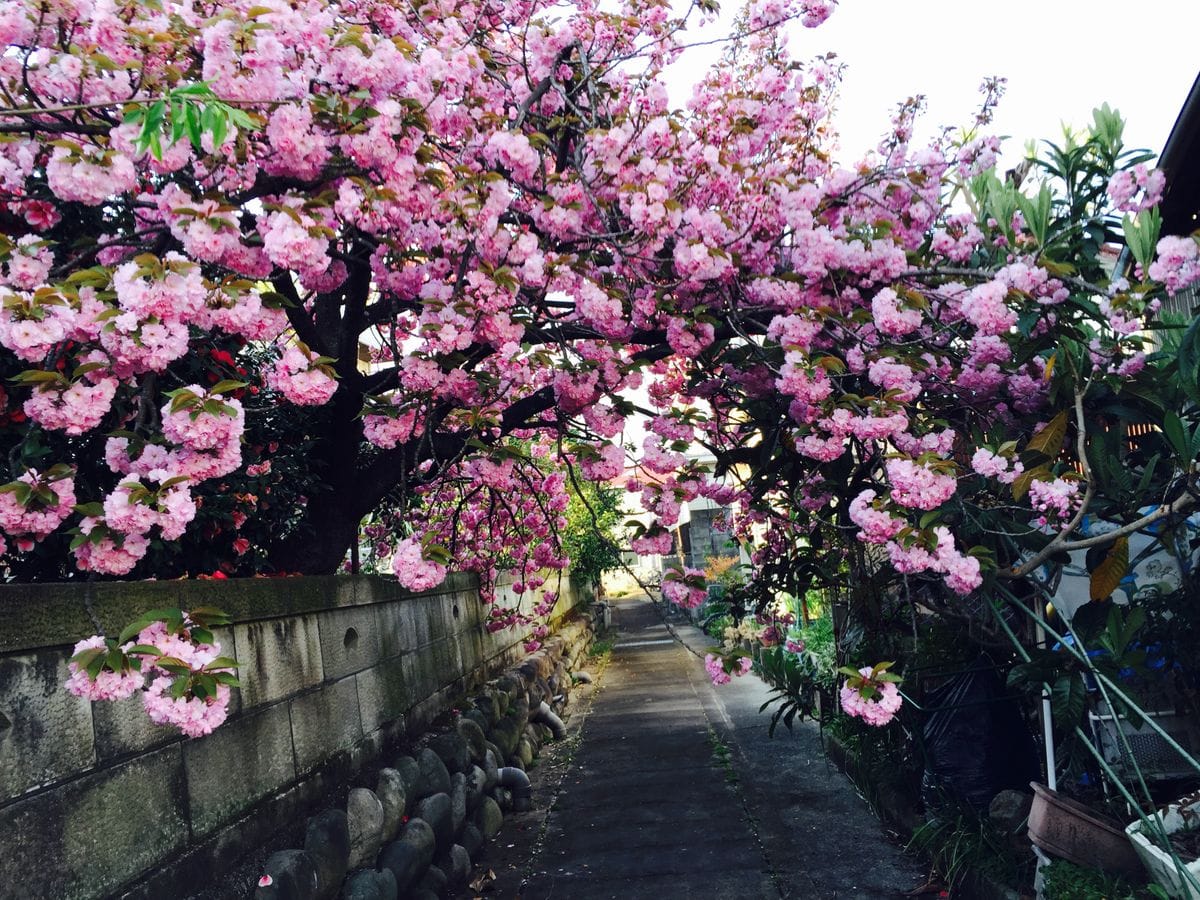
<point x="1067" y="829"/>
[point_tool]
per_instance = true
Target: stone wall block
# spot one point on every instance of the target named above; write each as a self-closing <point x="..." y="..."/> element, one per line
<point x="84" y="839"/>
<point x="383" y="693"/>
<point x="350" y="640"/>
<point x="45" y="732"/>
<point x="403" y="626"/>
<point x="324" y="722"/>
<point x="278" y="657"/>
<point x="237" y="765"/>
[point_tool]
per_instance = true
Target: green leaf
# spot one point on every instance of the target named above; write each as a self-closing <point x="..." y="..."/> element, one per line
<point x="172" y="617"/>
<point x="84" y="658"/>
<point x="220" y="125"/>
<point x="191" y="122"/>
<point x="95" y="665"/>
<point x="1188" y="360"/>
<point x="1178" y="437"/>
<point x="210" y="616"/>
<point x="1068" y="699"/>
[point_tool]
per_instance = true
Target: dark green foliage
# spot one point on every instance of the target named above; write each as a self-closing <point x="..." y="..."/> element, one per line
<point x="1067" y="881"/>
<point x="590" y="538"/>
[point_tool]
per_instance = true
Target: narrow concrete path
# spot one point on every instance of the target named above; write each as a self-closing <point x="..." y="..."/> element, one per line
<point x="675" y="791"/>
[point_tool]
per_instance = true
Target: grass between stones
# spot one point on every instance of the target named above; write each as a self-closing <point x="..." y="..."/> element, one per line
<point x="724" y="757"/>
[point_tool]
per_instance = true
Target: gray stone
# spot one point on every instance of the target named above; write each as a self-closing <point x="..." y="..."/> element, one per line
<point x="437" y="810"/>
<point x="471" y="839"/>
<point x="458" y="800"/>
<point x="327" y="841"/>
<point x="437" y="665"/>
<point x="489" y="818"/>
<point x="476" y="785"/>
<point x="434" y="881"/>
<point x="54" y="842"/>
<point x="383" y="694"/>
<point x="510" y="685"/>
<point x="487" y="702"/>
<point x="409" y="856"/>
<point x="391" y="794"/>
<point x="434" y="779"/>
<point x="533" y="734"/>
<point x="479" y="717"/>
<point x="452" y="750"/>
<point x="1009" y="811"/>
<point x="45" y="731"/>
<point x="365" y="814"/>
<point x="238" y="765"/>
<point x="506" y="734"/>
<point x="370" y="885"/>
<point x="503" y="797"/>
<point x="349" y="640"/>
<point x="519" y="710"/>
<point x="410" y="774"/>
<point x="293" y="875"/>
<point x="524" y="753"/>
<point x="491" y="769"/>
<point x="324" y="722"/>
<point x="456" y="863"/>
<point x="475" y="738"/>
<point x="278" y="657"/>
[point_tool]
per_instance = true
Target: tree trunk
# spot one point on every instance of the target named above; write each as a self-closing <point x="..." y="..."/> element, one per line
<point x="326" y="533"/>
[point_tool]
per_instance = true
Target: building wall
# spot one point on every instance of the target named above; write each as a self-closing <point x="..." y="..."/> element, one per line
<point x="335" y="670"/>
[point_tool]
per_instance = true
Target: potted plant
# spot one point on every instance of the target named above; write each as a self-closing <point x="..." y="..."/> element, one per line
<point x="1180" y="825"/>
<point x="1067" y="829"/>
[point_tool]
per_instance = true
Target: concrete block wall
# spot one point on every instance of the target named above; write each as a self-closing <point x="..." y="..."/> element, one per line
<point x="95" y="801"/>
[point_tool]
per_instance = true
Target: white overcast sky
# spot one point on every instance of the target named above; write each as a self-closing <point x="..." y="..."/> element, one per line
<point x="1061" y="58"/>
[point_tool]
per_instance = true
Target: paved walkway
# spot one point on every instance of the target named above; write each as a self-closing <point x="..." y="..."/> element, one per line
<point x="674" y="790"/>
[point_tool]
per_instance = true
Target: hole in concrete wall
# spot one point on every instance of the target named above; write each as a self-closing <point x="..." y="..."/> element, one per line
<point x="350" y="641"/>
<point x="5" y="723"/>
<point x="454" y="612"/>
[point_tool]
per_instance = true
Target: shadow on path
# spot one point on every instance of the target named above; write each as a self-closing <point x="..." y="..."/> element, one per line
<point x="674" y="790"/>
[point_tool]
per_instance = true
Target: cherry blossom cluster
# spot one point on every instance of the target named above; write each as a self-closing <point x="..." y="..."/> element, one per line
<point x="172" y="658"/>
<point x="722" y="669"/>
<point x="871" y="694"/>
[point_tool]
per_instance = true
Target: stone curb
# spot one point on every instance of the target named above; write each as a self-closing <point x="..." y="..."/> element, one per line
<point x="432" y="813"/>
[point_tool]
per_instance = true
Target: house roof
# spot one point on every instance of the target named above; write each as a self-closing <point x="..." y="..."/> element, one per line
<point x="1180" y="161"/>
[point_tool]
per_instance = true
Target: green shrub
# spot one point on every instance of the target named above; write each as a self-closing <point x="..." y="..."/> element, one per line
<point x="1067" y="881"/>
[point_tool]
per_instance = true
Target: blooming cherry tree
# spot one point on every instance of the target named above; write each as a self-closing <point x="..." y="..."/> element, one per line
<point x="303" y="260"/>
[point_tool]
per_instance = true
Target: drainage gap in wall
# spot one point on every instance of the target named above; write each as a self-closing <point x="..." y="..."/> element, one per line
<point x="350" y="641"/>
